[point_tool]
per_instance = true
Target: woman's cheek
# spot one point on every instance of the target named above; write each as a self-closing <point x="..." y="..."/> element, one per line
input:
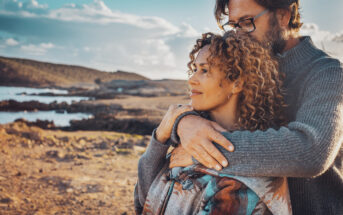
<point x="199" y="104"/>
<point x="195" y="104"/>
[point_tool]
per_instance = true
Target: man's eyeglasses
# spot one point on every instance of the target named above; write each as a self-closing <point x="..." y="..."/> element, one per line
<point x="247" y="25"/>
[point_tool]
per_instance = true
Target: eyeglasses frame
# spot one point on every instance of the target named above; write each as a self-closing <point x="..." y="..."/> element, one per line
<point x="252" y="20"/>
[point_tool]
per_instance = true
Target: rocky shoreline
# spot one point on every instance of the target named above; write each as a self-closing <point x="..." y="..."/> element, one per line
<point x="107" y="116"/>
<point x="89" y="167"/>
<point x="111" y="117"/>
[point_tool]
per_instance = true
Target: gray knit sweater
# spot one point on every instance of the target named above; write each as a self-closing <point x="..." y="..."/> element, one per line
<point x="309" y="150"/>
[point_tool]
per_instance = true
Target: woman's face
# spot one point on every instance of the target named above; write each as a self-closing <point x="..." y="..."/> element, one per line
<point x="209" y="87"/>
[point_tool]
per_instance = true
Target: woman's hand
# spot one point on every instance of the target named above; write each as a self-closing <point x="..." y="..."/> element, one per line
<point x="179" y="157"/>
<point x="164" y="130"/>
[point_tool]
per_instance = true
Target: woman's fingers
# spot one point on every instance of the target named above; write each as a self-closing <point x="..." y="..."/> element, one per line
<point x="165" y="127"/>
<point x="175" y="110"/>
<point x="183" y="108"/>
<point x="179" y="157"/>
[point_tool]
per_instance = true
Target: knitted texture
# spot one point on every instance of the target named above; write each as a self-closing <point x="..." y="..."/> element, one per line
<point x="309" y="150"/>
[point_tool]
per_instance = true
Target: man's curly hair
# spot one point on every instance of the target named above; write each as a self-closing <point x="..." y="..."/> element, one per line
<point x="261" y="103"/>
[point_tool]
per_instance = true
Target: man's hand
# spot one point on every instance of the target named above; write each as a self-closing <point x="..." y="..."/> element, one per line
<point x="179" y="157"/>
<point x="196" y="136"/>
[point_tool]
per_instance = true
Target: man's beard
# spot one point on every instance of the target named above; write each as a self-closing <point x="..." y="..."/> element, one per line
<point x="275" y="37"/>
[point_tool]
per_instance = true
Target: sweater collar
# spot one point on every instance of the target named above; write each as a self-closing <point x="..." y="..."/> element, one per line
<point x="298" y="55"/>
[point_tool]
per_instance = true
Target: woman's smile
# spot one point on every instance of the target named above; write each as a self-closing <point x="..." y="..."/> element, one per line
<point x="195" y="93"/>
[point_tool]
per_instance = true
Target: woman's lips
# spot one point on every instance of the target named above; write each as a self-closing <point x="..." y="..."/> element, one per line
<point x="195" y="93"/>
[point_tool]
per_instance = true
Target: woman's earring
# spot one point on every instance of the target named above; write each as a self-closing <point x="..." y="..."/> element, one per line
<point x="229" y="96"/>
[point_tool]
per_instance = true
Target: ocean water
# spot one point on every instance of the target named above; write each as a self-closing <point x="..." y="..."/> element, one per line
<point x="16" y="93"/>
<point x="60" y="119"/>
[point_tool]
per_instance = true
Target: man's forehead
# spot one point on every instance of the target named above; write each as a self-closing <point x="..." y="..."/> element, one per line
<point x="240" y="9"/>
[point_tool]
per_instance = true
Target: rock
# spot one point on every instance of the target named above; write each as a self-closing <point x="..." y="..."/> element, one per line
<point x="103" y="145"/>
<point x="52" y="154"/>
<point x="107" y="122"/>
<point x="64" y="139"/>
<point x="44" y="124"/>
<point x="5" y="200"/>
<point x="82" y="142"/>
<point x="12" y="105"/>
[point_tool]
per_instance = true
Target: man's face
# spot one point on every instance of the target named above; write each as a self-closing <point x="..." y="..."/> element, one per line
<point x="268" y="30"/>
<point x="241" y="9"/>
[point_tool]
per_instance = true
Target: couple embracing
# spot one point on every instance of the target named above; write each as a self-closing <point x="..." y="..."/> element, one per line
<point x="263" y="133"/>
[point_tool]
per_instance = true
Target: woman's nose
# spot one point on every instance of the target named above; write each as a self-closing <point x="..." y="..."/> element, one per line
<point x="193" y="80"/>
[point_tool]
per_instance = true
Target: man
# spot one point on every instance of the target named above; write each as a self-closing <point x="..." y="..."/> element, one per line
<point x="309" y="150"/>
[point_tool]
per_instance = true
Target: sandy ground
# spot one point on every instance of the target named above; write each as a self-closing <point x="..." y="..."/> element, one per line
<point x="54" y="172"/>
<point x="149" y="103"/>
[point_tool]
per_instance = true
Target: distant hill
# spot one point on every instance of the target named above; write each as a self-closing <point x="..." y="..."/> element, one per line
<point x="30" y="73"/>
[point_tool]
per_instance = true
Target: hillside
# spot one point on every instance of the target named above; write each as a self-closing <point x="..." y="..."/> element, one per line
<point x="30" y="73"/>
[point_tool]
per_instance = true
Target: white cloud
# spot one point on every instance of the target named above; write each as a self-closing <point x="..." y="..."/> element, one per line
<point x="186" y="30"/>
<point x="30" y="6"/>
<point x="316" y="34"/>
<point x="338" y="37"/>
<point x="47" y="45"/>
<point x="329" y="42"/>
<point x="37" y="49"/>
<point x="11" y="42"/>
<point x="95" y="36"/>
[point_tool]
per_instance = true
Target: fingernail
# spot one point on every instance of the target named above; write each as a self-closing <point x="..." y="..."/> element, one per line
<point x="224" y="163"/>
<point x="231" y="148"/>
<point x="217" y="167"/>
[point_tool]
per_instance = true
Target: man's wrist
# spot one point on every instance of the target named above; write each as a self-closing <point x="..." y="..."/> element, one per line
<point x="174" y="136"/>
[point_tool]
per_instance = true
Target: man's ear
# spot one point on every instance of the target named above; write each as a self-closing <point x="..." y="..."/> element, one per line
<point x="237" y="86"/>
<point x="283" y="17"/>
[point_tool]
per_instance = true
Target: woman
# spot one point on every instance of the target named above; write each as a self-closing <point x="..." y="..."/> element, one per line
<point x="235" y="83"/>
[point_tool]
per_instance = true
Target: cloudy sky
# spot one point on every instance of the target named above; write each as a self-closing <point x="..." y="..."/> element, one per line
<point x="150" y="37"/>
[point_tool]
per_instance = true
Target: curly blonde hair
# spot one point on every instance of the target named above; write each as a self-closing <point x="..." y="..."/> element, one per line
<point x="261" y="102"/>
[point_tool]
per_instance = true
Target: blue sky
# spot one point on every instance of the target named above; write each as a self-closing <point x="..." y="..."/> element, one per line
<point x="327" y="15"/>
<point x="150" y="37"/>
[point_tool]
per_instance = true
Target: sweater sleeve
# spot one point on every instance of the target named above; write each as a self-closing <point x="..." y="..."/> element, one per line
<point x="149" y="166"/>
<point x="308" y="146"/>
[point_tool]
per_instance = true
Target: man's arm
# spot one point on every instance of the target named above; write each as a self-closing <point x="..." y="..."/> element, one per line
<point x="305" y="148"/>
